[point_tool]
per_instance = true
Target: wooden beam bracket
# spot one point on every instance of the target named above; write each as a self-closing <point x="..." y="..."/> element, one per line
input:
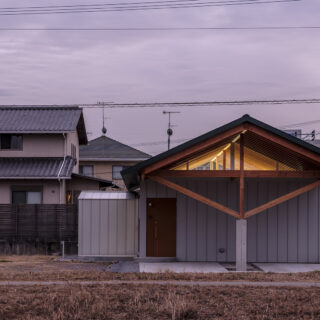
<point x="195" y="196"/>
<point x="282" y="199"/>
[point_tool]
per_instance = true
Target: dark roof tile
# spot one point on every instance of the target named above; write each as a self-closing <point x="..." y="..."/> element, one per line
<point x="105" y="148"/>
<point x="42" y="120"/>
<point x="36" y="167"/>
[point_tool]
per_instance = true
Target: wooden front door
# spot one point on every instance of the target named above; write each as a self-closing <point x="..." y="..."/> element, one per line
<point x="161" y="227"/>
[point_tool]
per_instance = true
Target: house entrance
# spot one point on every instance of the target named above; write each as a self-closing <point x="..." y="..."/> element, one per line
<point x="161" y="227"/>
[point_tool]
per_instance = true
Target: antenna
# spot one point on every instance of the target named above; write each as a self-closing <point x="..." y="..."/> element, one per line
<point x="102" y="104"/>
<point x="169" y="131"/>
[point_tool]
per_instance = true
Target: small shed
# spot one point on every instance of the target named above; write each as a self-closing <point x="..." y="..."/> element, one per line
<point x="108" y="224"/>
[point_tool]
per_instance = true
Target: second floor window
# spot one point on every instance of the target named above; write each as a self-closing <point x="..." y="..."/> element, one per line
<point x="10" y="142"/>
<point x="116" y="172"/>
<point x="86" y="170"/>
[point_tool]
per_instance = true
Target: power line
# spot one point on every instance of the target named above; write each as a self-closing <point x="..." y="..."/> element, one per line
<point x="101" y="5"/>
<point x="300" y="124"/>
<point x="166" y="28"/>
<point x="181" y="104"/>
<point x="45" y="11"/>
<point x="207" y="103"/>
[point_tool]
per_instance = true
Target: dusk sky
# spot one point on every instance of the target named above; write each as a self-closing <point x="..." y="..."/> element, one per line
<point x="77" y="67"/>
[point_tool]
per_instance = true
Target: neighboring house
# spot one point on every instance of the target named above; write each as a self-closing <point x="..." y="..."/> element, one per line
<point x="245" y="191"/>
<point x="39" y="155"/>
<point x="105" y="158"/>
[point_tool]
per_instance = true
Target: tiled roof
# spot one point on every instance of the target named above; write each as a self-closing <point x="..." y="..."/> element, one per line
<point x="11" y="168"/>
<point x="42" y="120"/>
<point x="104" y="148"/>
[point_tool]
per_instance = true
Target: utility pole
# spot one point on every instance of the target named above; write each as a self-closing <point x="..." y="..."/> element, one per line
<point x="169" y="131"/>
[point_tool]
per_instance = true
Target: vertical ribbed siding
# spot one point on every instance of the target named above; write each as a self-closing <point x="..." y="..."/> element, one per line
<point x="288" y="232"/>
<point x="108" y="227"/>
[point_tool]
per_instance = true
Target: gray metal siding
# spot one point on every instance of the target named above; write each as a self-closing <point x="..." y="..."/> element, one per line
<point x="108" y="227"/>
<point x="288" y="232"/>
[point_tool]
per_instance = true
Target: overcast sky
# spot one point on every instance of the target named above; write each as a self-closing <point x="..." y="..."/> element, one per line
<point x="46" y="67"/>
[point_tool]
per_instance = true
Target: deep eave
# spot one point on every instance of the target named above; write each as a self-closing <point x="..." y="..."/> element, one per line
<point x="131" y="175"/>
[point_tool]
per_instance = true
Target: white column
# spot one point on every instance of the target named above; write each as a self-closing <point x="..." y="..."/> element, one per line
<point x="143" y="221"/>
<point x="241" y="245"/>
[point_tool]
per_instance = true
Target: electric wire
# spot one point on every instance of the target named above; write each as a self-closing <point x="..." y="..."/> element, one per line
<point x="165" y="28"/>
<point x="177" y="104"/>
<point x="4" y="12"/>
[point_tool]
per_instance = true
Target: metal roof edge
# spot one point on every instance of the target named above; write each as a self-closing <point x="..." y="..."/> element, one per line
<point x="106" y="195"/>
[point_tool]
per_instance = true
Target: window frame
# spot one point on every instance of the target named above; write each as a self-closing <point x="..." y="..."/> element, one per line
<point x="86" y="165"/>
<point x="11" y="135"/>
<point x="122" y="168"/>
<point x="26" y="189"/>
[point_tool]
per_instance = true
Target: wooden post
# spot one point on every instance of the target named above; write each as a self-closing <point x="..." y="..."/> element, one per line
<point x="241" y="204"/>
<point x="232" y="156"/>
<point x="224" y="159"/>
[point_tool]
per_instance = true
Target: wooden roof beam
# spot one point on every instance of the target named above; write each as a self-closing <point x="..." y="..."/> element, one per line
<point x="236" y="174"/>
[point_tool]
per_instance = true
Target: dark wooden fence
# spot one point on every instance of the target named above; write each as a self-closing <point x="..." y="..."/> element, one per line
<point x="38" y="228"/>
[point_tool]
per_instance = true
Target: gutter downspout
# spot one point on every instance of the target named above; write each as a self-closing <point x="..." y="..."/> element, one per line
<point x="62" y="165"/>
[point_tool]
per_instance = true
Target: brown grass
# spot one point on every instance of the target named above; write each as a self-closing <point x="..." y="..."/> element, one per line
<point x="47" y="268"/>
<point x="157" y="302"/>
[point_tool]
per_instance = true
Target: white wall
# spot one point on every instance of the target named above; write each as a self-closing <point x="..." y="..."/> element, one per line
<point x="50" y="189"/>
<point x="37" y="145"/>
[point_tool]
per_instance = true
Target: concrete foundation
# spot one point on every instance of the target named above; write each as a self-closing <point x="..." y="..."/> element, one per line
<point x="288" y="267"/>
<point x="241" y="245"/>
<point x="181" y="267"/>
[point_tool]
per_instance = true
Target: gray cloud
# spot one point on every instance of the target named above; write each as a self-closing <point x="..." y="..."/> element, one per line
<point x="83" y="67"/>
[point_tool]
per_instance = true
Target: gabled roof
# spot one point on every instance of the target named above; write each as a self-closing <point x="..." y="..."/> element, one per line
<point x="107" y="149"/>
<point x="131" y="176"/>
<point x="36" y="168"/>
<point x="15" y="119"/>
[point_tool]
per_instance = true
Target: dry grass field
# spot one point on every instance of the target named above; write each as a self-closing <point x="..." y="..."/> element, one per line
<point x="35" y="268"/>
<point x="157" y="302"/>
<point x="146" y="301"/>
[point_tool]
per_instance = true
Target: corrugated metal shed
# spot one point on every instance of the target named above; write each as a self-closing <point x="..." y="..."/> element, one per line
<point x="107" y="149"/>
<point x="11" y="168"/>
<point x="42" y="120"/>
<point x="108" y="224"/>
